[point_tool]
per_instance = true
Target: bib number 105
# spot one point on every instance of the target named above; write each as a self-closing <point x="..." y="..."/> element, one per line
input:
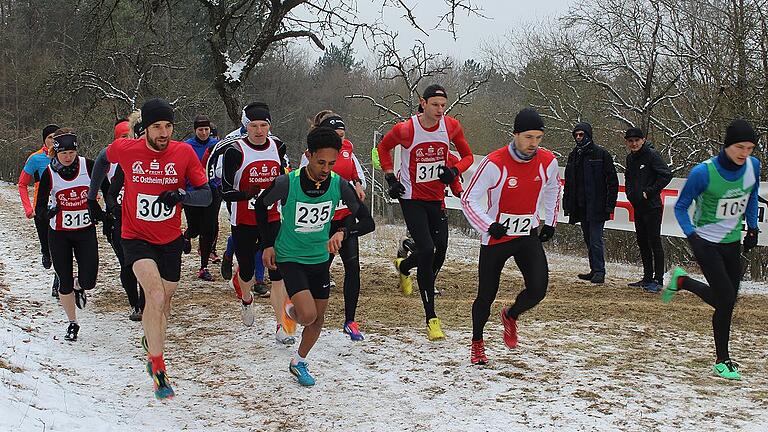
<point x="728" y="208"/>
<point x="148" y="209"/>
<point x="312" y="217"/>
<point x="517" y="225"/>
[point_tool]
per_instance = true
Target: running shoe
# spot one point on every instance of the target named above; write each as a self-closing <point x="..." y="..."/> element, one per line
<point x="351" y="328"/>
<point x="652" y="287"/>
<point x="332" y="284"/>
<point x="585" y="276"/>
<point x="406" y="284"/>
<point x="477" y="353"/>
<point x="289" y="317"/>
<point x="187" y="248"/>
<point x="727" y="369"/>
<point x="136" y="314"/>
<point x="55" y="286"/>
<point x="204" y="274"/>
<point x="434" y="332"/>
<point x="213" y="258"/>
<point x="226" y="267"/>
<point x="639" y="284"/>
<point x="162" y="384"/>
<point x="672" y="287"/>
<point x="47" y="261"/>
<point x="301" y="372"/>
<point x="407" y="246"/>
<point x="283" y="337"/>
<point x="80" y="297"/>
<point x="246" y="312"/>
<point x="234" y="282"/>
<point x="72" y="332"/>
<point x="510" y="329"/>
<point x="260" y="289"/>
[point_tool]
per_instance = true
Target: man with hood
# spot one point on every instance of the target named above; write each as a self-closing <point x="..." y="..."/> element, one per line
<point x="591" y="187"/>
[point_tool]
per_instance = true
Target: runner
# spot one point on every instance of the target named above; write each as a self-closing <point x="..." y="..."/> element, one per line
<point x="503" y="202"/>
<point x="725" y="189"/>
<point x="114" y="201"/>
<point x="407" y="246"/>
<point x="309" y="197"/>
<point x="62" y="197"/>
<point x="160" y="168"/>
<point x="34" y="168"/>
<point x="250" y="165"/>
<point x="203" y="221"/>
<point x="420" y="184"/>
<point x="349" y="169"/>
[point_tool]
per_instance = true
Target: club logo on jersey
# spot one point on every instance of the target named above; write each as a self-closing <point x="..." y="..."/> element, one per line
<point x="345" y="154"/>
<point x="419" y="153"/>
<point x="84" y="195"/>
<point x="512" y="182"/>
<point x="264" y="169"/>
<point x="137" y="168"/>
<point x="431" y="150"/>
<point x="537" y="178"/>
<point x="73" y="194"/>
<point x="274" y="171"/>
<point x="441" y="151"/>
<point x="154" y="165"/>
<point x="170" y="169"/>
<point x="253" y="172"/>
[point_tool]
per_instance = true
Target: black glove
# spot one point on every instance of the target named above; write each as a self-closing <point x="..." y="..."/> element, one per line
<point x="108" y="226"/>
<point x="750" y="240"/>
<point x="396" y="189"/>
<point x="170" y="198"/>
<point x="497" y="230"/>
<point x="51" y="213"/>
<point x="546" y="232"/>
<point x="96" y="213"/>
<point x="446" y="175"/>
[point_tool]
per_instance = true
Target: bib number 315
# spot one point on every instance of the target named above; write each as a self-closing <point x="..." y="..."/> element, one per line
<point x="75" y="219"/>
<point x="312" y="217"/>
<point x="148" y="209"/>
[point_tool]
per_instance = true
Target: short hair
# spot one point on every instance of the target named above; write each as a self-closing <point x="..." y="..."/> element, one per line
<point x="323" y="137"/>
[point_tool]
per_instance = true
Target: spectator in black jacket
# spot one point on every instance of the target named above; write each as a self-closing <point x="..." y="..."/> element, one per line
<point x="591" y="187"/>
<point x="647" y="174"/>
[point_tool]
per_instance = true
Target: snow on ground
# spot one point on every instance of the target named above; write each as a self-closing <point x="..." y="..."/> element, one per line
<point x="582" y="375"/>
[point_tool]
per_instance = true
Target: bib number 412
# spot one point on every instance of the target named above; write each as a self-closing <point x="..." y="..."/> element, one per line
<point x="150" y="210"/>
<point x="517" y="225"/>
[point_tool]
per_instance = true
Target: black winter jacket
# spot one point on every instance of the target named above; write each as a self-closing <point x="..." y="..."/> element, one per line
<point x="646" y="172"/>
<point x="591" y="183"/>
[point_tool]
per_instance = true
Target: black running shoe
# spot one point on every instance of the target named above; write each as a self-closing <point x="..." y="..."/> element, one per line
<point x="261" y="289"/>
<point x="135" y="315"/>
<point x="187" y="246"/>
<point x="226" y="267"/>
<point x="72" y="332"/>
<point x="55" y="287"/>
<point x="46" y="261"/>
<point x="80" y="299"/>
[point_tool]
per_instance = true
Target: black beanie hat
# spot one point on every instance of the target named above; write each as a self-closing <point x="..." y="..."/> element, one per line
<point x="51" y="128"/>
<point x="256" y="111"/>
<point x="528" y="119"/>
<point x="634" y="133"/>
<point x="333" y="122"/>
<point x="64" y="142"/>
<point x="434" y="90"/>
<point x="201" y="121"/>
<point x="739" y="130"/>
<point x="323" y="137"/>
<point x="155" y="110"/>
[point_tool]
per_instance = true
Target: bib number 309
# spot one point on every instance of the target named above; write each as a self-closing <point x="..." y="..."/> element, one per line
<point x="148" y="209"/>
<point x="728" y="208"/>
<point x="517" y="225"/>
<point x="312" y="217"/>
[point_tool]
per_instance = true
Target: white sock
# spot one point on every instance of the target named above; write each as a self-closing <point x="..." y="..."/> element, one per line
<point x="297" y="358"/>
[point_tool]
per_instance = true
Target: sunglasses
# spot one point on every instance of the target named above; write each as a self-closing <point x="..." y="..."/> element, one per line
<point x="579" y="134"/>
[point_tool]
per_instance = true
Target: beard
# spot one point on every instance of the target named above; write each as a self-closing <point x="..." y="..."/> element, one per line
<point x="155" y="146"/>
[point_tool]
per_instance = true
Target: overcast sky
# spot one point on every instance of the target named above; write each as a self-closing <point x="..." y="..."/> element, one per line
<point x="472" y="31"/>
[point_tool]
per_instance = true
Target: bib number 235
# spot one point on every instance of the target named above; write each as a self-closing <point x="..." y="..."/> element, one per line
<point x="312" y="217"/>
<point x="148" y="209"/>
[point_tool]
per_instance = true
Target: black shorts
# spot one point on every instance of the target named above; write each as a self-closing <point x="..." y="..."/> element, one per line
<point x="313" y="277"/>
<point x="167" y="256"/>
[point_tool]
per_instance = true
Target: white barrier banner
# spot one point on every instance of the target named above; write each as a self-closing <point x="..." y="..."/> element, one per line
<point x="623" y="216"/>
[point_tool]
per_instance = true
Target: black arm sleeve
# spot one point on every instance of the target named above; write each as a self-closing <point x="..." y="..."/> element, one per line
<point x="277" y="191"/>
<point x="43" y="193"/>
<point x="114" y="189"/>
<point x="198" y="197"/>
<point x="360" y="212"/>
<point x="100" y="169"/>
<point x="89" y="164"/>
<point x="663" y="174"/>
<point x="233" y="158"/>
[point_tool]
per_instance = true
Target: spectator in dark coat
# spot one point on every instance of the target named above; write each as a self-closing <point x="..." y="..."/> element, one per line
<point x="646" y="176"/>
<point x="591" y="187"/>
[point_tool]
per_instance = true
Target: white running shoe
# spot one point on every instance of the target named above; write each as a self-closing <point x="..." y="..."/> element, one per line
<point x="282" y="337"/>
<point x="246" y="313"/>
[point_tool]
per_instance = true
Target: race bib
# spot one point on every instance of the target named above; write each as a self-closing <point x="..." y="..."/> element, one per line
<point x="150" y="210"/>
<point x="119" y="198"/>
<point x="75" y="219"/>
<point x="729" y="208"/>
<point x="517" y="225"/>
<point x="252" y="202"/>
<point x="312" y="217"/>
<point x="427" y="171"/>
<point x="340" y="205"/>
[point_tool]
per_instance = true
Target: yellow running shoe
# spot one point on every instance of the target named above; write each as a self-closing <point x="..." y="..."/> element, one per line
<point x="406" y="283"/>
<point x="434" y="332"/>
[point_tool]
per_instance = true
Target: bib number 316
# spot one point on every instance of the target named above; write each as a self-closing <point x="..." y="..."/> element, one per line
<point x="148" y="209"/>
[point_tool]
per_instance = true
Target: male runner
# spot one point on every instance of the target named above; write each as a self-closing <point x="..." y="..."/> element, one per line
<point x="725" y="189"/>
<point x="309" y="197"/>
<point x="503" y="202"/>
<point x="420" y="185"/>
<point x="157" y="170"/>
